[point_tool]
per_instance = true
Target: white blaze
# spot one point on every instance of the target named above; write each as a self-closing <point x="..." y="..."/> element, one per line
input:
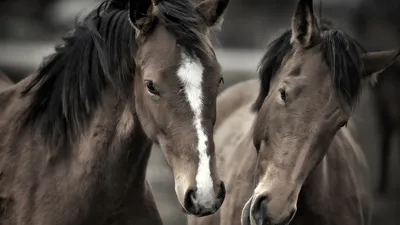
<point x="191" y="75"/>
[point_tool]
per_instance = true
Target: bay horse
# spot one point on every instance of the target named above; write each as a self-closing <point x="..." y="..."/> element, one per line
<point x="76" y="136"/>
<point x="282" y="144"/>
<point x="387" y="111"/>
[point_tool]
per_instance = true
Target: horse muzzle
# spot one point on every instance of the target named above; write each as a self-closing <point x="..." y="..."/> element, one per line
<point x="195" y="205"/>
<point x="255" y="212"/>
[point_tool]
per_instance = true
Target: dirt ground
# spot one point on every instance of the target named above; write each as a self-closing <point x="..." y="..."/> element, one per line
<point x="387" y="210"/>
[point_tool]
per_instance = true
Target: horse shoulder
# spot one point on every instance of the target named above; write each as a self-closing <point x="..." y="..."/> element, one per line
<point x="233" y="137"/>
<point x="234" y="120"/>
<point x="236" y="156"/>
<point x="235" y="97"/>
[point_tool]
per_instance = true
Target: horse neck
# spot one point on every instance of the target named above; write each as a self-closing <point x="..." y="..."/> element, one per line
<point x="83" y="95"/>
<point x="113" y="142"/>
<point x="337" y="185"/>
<point x="315" y="198"/>
<point x="103" y="170"/>
<point x="124" y="147"/>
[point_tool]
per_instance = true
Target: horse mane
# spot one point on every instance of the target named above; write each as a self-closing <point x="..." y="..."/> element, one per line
<point x="341" y="53"/>
<point x="96" y="55"/>
<point x="181" y="19"/>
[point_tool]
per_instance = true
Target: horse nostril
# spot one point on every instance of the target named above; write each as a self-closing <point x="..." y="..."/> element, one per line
<point x="199" y="208"/>
<point x="188" y="201"/>
<point x="259" y="211"/>
<point x="221" y="192"/>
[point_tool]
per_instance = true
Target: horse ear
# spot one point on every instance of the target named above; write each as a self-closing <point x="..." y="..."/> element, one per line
<point x="377" y="62"/>
<point x="141" y="14"/>
<point x="305" y="30"/>
<point x="211" y="10"/>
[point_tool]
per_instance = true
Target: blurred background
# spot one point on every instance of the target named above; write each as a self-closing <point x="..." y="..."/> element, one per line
<point x="30" y="28"/>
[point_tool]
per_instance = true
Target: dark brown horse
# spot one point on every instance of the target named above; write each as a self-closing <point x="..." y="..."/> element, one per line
<point x="386" y="103"/>
<point x="307" y="167"/>
<point x="387" y="107"/>
<point x="75" y="138"/>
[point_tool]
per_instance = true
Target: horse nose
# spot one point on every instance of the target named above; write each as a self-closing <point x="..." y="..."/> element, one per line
<point x="221" y="193"/>
<point x="260" y="212"/>
<point x="199" y="208"/>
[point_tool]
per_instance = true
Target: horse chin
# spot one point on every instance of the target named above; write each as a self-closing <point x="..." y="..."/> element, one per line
<point x="196" y="215"/>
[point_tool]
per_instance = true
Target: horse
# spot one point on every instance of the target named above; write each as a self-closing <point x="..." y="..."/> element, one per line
<point x="5" y="81"/>
<point x="387" y="109"/>
<point x="386" y="105"/>
<point x="76" y="136"/>
<point x="285" y="144"/>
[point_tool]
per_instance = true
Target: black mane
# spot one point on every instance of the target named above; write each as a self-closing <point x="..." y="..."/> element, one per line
<point x="341" y="53"/>
<point x="97" y="55"/>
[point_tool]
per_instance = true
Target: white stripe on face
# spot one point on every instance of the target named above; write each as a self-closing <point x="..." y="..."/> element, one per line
<point x="191" y="75"/>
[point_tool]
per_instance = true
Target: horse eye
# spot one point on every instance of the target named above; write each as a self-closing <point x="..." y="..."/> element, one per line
<point x="283" y="94"/>
<point x="152" y="89"/>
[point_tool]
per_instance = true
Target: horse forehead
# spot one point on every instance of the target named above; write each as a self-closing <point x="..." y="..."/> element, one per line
<point x="163" y="53"/>
<point x="309" y="66"/>
<point x="160" y="47"/>
<point x="313" y="62"/>
<point x="191" y="73"/>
